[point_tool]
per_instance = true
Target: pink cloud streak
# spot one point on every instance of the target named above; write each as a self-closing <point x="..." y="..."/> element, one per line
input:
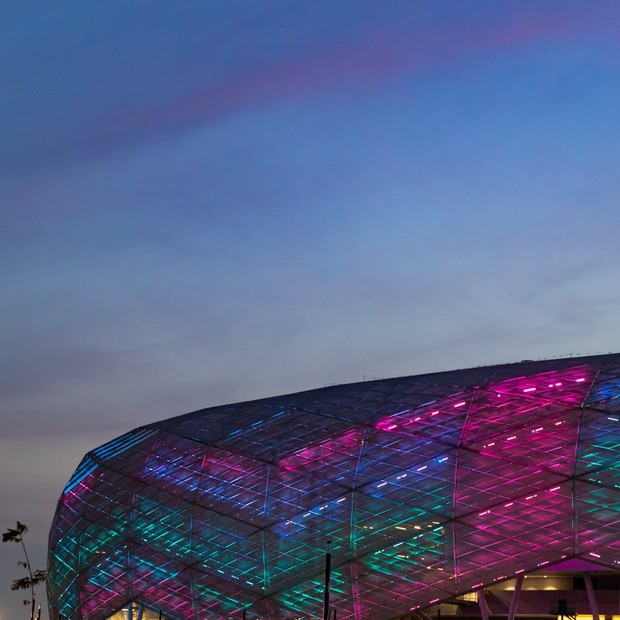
<point x="382" y="58"/>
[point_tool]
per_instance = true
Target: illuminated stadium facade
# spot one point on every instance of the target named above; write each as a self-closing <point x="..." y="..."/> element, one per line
<point x="429" y="487"/>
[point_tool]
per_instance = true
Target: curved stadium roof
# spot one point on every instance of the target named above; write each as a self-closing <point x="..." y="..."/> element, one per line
<point x="428" y="486"/>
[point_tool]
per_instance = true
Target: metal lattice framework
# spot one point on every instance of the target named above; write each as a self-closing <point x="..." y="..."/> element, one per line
<point x="428" y="486"/>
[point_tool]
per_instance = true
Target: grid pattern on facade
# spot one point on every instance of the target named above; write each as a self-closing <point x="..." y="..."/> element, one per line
<point x="427" y="486"/>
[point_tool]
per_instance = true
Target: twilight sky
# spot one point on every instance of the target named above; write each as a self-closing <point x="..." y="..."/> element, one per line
<point x="211" y="201"/>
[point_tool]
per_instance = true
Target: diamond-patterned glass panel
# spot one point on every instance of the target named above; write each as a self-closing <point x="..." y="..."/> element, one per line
<point x="426" y="487"/>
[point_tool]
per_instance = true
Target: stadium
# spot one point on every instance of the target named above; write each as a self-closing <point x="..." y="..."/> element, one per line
<point x="491" y="491"/>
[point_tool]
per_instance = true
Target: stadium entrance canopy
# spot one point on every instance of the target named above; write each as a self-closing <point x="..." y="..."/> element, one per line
<point x="429" y="487"/>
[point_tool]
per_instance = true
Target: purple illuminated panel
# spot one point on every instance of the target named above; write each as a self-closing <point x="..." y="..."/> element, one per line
<point x="427" y="486"/>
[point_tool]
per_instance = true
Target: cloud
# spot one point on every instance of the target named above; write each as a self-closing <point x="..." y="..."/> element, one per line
<point x="99" y="108"/>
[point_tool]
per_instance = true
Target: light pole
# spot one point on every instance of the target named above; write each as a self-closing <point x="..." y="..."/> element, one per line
<point x="328" y="561"/>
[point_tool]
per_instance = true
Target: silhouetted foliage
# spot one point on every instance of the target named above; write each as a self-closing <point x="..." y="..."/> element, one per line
<point x="34" y="577"/>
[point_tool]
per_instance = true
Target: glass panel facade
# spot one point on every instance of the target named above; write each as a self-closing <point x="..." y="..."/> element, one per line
<point x="429" y="487"/>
